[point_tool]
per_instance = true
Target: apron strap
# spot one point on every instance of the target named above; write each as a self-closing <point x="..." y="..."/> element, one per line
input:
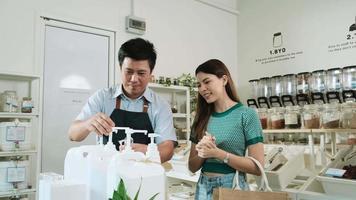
<point x="145" y="104"/>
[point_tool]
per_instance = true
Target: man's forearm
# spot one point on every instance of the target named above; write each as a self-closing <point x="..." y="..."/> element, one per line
<point x="166" y="150"/>
<point x="78" y="131"/>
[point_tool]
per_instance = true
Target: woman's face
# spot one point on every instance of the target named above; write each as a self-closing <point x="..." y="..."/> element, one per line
<point x="211" y="87"/>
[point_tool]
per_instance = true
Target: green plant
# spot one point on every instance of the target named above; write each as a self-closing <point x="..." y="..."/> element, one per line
<point x="190" y="81"/>
<point x="121" y="194"/>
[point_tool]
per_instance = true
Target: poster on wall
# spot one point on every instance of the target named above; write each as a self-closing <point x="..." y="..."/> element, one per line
<point x="346" y="43"/>
<point x="279" y="51"/>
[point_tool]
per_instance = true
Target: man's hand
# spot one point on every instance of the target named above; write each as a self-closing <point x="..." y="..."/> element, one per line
<point x="100" y="123"/>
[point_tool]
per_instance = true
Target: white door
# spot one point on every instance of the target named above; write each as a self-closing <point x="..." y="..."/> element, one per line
<point x="77" y="62"/>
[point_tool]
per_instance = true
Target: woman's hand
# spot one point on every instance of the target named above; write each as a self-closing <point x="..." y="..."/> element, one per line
<point x="206" y="148"/>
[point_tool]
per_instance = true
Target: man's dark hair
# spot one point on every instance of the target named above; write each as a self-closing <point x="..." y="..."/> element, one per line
<point x="138" y="49"/>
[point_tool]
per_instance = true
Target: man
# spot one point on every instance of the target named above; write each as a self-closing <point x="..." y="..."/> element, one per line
<point x="130" y="104"/>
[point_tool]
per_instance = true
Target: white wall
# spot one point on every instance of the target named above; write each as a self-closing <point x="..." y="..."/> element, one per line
<point x="308" y="26"/>
<point x="185" y="32"/>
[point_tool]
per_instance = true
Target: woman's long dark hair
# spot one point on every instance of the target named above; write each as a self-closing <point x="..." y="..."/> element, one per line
<point x="204" y="110"/>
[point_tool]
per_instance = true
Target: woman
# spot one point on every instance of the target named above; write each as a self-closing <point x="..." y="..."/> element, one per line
<point x="222" y="131"/>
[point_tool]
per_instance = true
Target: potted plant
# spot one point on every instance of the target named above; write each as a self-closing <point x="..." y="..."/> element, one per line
<point x="121" y="194"/>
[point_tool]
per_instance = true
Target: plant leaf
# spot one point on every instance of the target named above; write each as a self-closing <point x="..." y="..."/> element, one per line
<point x="154" y="196"/>
<point x="138" y="191"/>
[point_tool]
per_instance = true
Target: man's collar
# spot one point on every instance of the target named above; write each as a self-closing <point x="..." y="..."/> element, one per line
<point x="117" y="91"/>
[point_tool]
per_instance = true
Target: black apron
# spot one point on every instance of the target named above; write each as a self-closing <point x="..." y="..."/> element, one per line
<point x="134" y="120"/>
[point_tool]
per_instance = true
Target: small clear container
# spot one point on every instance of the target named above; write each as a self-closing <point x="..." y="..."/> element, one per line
<point x="348" y="115"/>
<point x="254" y="84"/>
<point x="318" y="81"/>
<point x="303" y="82"/>
<point x="349" y="78"/>
<point x="9" y="101"/>
<point x="289" y="84"/>
<point x="334" y="79"/>
<point x="263" y="115"/>
<point x="331" y="116"/>
<point x="277" y="118"/>
<point x="264" y="87"/>
<point x="292" y="117"/>
<point x="311" y="116"/>
<point x="26" y="105"/>
<point x="276" y="85"/>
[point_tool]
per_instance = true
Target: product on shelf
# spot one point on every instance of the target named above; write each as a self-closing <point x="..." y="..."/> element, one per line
<point x="311" y="116"/>
<point x="27" y="105"/>
<point x="9" y="101"/>
<point x="292" y="117"/>
<point x="331" y="116"/>
<point x="263" y="115"/>
<point x="277" y="118"/>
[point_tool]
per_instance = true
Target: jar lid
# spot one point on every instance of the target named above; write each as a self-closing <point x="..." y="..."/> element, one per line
<point x="26" y="98"/>
<point x="288" y="75"/>
<point x="253" y="80"/>
<point x="303" y="73"/>
<point x="264" y="78"/>
<point x="350" y="67"/>
<point x="318" y="71"/>
<point x="277" y="76"/>
<point x="334" y="69"/>
<point x="262" y="109"/>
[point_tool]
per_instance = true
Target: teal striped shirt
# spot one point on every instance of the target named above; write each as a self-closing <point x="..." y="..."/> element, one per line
<point x="234" y="129"/>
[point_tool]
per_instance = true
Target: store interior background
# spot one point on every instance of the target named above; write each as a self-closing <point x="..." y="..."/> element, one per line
<point x="188" y="32"/>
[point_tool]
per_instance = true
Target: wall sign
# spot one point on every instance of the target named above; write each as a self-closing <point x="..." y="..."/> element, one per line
<point x="349" y="42"/>
<point x="279" y="52"/>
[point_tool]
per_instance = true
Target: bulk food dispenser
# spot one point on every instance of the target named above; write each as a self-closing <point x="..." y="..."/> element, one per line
<point x="318" y="86"/>
<point x="334" y="85"/>
<point x="276" y="91"/>
<point x="264" y="92"/>
<point x="349" y="83"/>
<point x="251" y="102"/>
<point x="288" y="89"/>
<point x="303" y="89"/>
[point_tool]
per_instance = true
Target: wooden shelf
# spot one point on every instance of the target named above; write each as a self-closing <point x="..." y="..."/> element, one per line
<point x="18" y="76"/>
<point x="17" y="192"/>
<point x="339" y="130"/>
<point x="17" y="115"/>
<point x="17" y="153"/>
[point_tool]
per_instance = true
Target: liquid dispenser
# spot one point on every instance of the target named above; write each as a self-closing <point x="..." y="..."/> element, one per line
<point x="318" y="86"/>
<point x="276" y="91"/>
<point x="251" y="102"/>
<point x="349" y="83"/>
<point x="264" y="92"/>
<point x="303" y="88"/>
<point x="334" y="85"/>
<point x="288" y="89"/>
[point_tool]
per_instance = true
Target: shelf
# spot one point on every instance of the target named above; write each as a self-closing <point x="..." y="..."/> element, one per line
<point x="339" y="130"/>
<point x="17" y="115"/>
<point x="18" y="76"/>
<point x="17" y="153"/>
<point x="179" y="115"/>
<point x="175" y="88"/>
<point x="17" y="192"/>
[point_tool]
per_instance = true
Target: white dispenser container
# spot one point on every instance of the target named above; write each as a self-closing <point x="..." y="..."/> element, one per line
<point x="14" y="175"/>
<point x="138" y="172"/>
<point x="15" y="136"/>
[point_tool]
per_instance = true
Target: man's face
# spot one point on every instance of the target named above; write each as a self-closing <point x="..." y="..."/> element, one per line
<point x="136" y="74"/>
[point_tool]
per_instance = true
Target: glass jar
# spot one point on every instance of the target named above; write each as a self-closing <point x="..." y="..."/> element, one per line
<point x="277" y="118"/>
<point x="263" y="115"/>
<point x="27" y="105"/>
<point x="168" y="81"/>
<point x="276" y="85"/>
<point x="161" y="80"/>
<point x="289" y="84"/>
<point x="303" y="83"/>
<point x="331" y="116"/>
<point x="349" y="78"/>
<point x="318" y="81"/>
<point x="311" y="116"/>
<point x="292" y="117"/>
<point x="348" y="115"/>
<point x="9" y="101"/>
<point x="334" y="80"/>
<point x="254" y="88"/>
<point x="264" y="87"/>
